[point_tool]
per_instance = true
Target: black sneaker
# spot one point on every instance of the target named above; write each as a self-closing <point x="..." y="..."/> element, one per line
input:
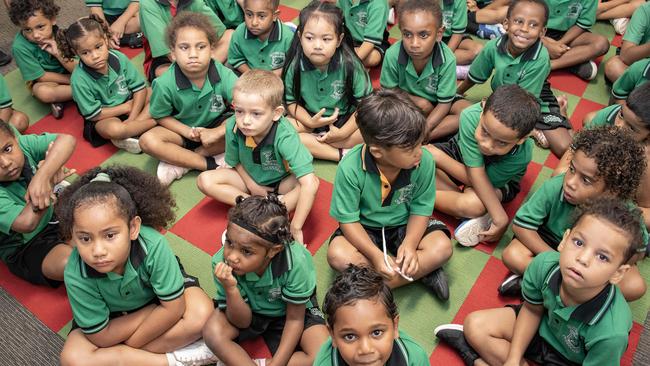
<point x="436" y="281"/>
<point x="5" y="58"/>
<point x="190" y="281"/>
<point x="511" y="286"/>
<point x="57" y="110"/>
<point x="132" y="40"/>
<point x="586" y="71"/>
<point x="452" y="335"/>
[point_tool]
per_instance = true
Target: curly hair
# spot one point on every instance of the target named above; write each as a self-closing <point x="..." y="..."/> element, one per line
<point x="626" y="216"/>
<point x="188" y="19"/>
<point x="266" y="214"/>
<point x="131" y="190"/>
<point x="6" y="128"/>
<point x="358" y="283"/>
<point x="20" y="11"/>
<point x="619" y="159"/>
<point x="68" y="39"/>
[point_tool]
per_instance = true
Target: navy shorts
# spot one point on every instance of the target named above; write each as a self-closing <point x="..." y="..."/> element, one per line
<point x="27" y="262"/>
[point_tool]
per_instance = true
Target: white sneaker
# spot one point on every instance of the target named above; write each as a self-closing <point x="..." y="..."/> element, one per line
<point x="59" y="187"/>
<point x="620" y="24"/>
<point x="130" y="144"/>
<point x="462" y="71"/>
<point x="195" y="354"/>
<point x="467" y="232"/>
<point x="391" y="16"/>
<point x="167" y="173"/>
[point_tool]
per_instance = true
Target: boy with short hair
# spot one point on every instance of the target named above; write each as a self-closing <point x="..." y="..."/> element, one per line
<point x="264" y="151"/>
<point x="635" y="45"/>
<point x="573" y="312"/>
<point x="361" y="305"/>
<point x="421" y="65"/>
<point x="124" y="20"/>
<point x="7" y="113"/>
<point x="383" y="198"/>
<point x="366" y="23"/>
<point x="488" y="156"/>
<point x="263" y="41"/>
<point x="638" y="73"/>
<point x="568" y="39"/>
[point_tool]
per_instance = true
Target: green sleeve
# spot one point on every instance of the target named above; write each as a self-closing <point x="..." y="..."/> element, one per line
<point x="377" y="17"/>
<point x="236" y="56"/>
<point x="361" y="85"/>
<point x="134" y="78"/>
<point x="624" y="85"/>
<point x="153" y="24"/>
<point x="35" y="146"/>
<point x="161" y="103"/>
<point x="534" y="276"/>
<point x="90" y="3"/>
<point x="324" y="355"/>
<point x="447" y="82"/>
<point x="459" y="20"/>
<point x="26" y="61"/>
<point x="417" y="355"/>
<point x="472" y="156"/>
<point x="288" y="84"/>
<point x="232" y="143"/>
<point x="600" y="119"/>
<point x="294" y="152"/>
<point x="390" y="68"/>
<point x="637" y="27"/>
<point x="301" y="280"/>
<point x="228" y="79"/>
<point x="587" y="16"/>
<point x="425" y="195"/>
<point x="5" y="97"/>
<point x="482" y="66"/>
<point x="9" y="211"/>
<point x="534" y="212"/>
<point x="199" y="6"/>
<point x="89" y="309"/>
<point x="164" y="273"/>
<point x="609" y="347"/>
<point x="84" y="95"/>
<point x="534" y="79"/>
<point x="346" y="197"/>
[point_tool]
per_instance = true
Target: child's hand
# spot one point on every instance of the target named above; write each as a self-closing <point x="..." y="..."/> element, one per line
<point x="555" y="48"/>
<point x="62" y="173"/>
<point x="49" y="46"/>
<point x="194" y="133"/>
<point x="333" y="135"/>
<point x="224" y="275"/>
<point x="256" y="189"/>
<point x="319" y="120"/>
<point x="117" y="29"/>
<point x="39" y="193"/>
<point x="494" y="232"/>
<point x="471" y="5"/>
<point x="407" y="259"/>
<point x="386" y="271"/>
<point x="209" y="136"/>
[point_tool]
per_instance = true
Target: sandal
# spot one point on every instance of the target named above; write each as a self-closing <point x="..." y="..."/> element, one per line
<point x="540" y="139"/>
<point x="57" y="110"/>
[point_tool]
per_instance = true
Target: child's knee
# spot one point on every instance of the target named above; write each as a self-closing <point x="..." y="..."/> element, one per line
<point x="148" y="141"/>
<point x="633" y="287"/>
<point x="470" y="206"/>
<point x="73" y="356"/>
<point x="601" y="44"/>
<point x="473" y="326"/>
<point x="338" y="254"/>
<point x="204" y="180"/>
<point x="44" y="93"/>
<point x="20" y="121"/>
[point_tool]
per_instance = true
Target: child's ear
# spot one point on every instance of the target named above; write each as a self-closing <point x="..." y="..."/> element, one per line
<point x="277" y="248"/>
<point x="396" y="326"/>
<point x="376" y="151"/>
<point x="276" y="14"/>
<point x="483" y="104"/>
<point x="542" y="33"/>
<point x="565" y="237"/>
<point x="134" y="227"/>
<point x="441" y="32"/>
<point x="278" y="112"/>
<point x="619" y="274"/>
<point x="523" y="139"/>
<point x="505" y="24"/>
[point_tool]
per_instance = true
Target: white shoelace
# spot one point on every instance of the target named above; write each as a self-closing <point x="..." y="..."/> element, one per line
<point x="398" y="270"/>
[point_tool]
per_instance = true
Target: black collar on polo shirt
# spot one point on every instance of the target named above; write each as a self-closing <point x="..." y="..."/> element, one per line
<point x="437" y="57"/>
<point x="335" y="62"/>
<point x="113" y="63"/>
<point x="646" y="71"/>
<point x="274" y="36"/>
<point x="281" y="263"/>
<point x="530" y="54"/>
<point x="182" y="82"/>
<point x="267" y="140"/>
<point x="136" y="254"/>
<point x="398" y="356"/>
<point x="403" y="178"/>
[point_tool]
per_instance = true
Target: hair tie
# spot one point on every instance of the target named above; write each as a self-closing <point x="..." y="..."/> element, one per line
<point x="101" y="177"/>
<point x="252" y="229"/>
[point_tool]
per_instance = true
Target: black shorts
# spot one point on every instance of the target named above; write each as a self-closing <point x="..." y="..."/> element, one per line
<point x="340" y="121"/>
<point x="27" y="262"/>
<point x="548" y="237"/>
<point x="156" y="62"/>
<point x="91" y="135"/>
<point x="451" y="148"/>
<point x="555" y="34"/>
<point x="553" y="119"/>
<point x="191" y="145"/>
<point x="380" y="47"/>
<point x="445" y="40"/>
<point x="112" y="18"/>
<point x="395" y="235"/>
<point x="540" y="352"/>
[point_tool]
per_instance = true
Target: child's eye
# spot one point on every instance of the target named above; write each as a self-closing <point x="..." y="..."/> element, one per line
<point x="84" y="239"/>
<point x="111" y="236"/>
<point x="502" y="143"/>
<point x="8" y="149"/>
<point x="424" y="35"/>
<point x="602" y="257"/>
<point x="246" y="252"/>
<point x="586" y="181"/>
<point x="349" y="337"/>
<point x="406" y="35"/>
<point x="578" y="242"/>
<point x="377" y="333"/>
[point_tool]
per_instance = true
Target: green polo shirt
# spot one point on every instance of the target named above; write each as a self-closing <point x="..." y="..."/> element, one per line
<point x="155" y="16"/>
<point x="279" y="154"/>
<point x="5" y="96"/>
<point x="365" y="19"/>
<point x="12" y="194"/>
<point x="111" y="7"/>
<point x="363" y="194"/>
<point x="174" y="95"/>
<point x="547" y="212"/>
<point x="326" y="89"/>
<point x="406" y="352"/>
<point x="151" y="272"/>
<point x="592" y="333"/>
<point x="635" y="75"/>
<point x="500" y="169"/>
<point x="92" y="90"/>
<point x="454" y="16"/>
<point x="605" y="116"/>
<point x="228" y="11"/>
<point x="289" y="278"/>
<point x="564" y="14"/>
<point x="246" y="48"/>
<point x="32" y="61"/>
<point x="528" y="70"/>
<point x="436" y="82"/>
<point x="638" y="29"/>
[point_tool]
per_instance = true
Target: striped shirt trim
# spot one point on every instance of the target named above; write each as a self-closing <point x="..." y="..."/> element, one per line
<point x="295" y="300"/>
<point x="475" y="80"/>
<point x="95" y="113"/>
<point x="373" y="40"/>
<point x="139" y="87"/>
<point x="446" y="99"/>
<point x="6" y="104"/>
<point x="524" y="224"/>
<point x="172" y="296"/>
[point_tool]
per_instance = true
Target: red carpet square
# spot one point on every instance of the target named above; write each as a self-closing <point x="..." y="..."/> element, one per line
<point x="567" y="82"/>
<point x="288" y="14"/>
<point x="584" y="106"/>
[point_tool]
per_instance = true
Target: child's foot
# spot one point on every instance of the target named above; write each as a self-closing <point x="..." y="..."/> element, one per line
<point x="586" y="71"/>
<point x="490" y="31"/>
<point x="452" y="335"/>
<point x="540" y="139"/>
<point x="620" y="24"/>
<point x="462" y="71"/>
<point x="511" y="286"/>
<point x="563" y="102"/>
<point x="467" y="232"/>
<point x="194" y="354"/>
<point x="131" y="145"/>
<point x="437" y="282"/>
<point x="167" y="173"/>
<point x="57" y="110"/>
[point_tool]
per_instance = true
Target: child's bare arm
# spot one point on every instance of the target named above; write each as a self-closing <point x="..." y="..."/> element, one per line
<point x="454" y="41"/>
<point x="437" y="114"/>
<point x="243" y="68"/>
<point x="54" y="77"/>
<point x="238" y="312"/>
<point x="302" y="115"/>
<point x="252" y="186"/>
<point x="293" y="328"/>
<point x="120" y="329"/>
<point x="464" y="86"/>
<point x="364" y="49"/>
<point x="40" y="188"/>
<point x="116" y="111"/>
<point x="357" y="236"/>
<point x="571" y="35"/>
<point x="27" y="220"/>
<point x="485" y="191"/>
<point x="530" y="239"/>
<point x="448" y="164"/>
<point x="158" y="322"/>
<point x="308" y="188"/>
<point x="139" y="101"/>
<point x="630" y="52"/>
<point x="406" y="253"/>
<point x="177" y="126"/>
<point x="526" y="326"/>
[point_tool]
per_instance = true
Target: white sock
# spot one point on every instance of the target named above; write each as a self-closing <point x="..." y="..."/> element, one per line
<point x="171" y="360"/>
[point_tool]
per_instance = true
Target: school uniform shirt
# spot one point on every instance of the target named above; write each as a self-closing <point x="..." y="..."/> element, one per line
<point x="529" y="70"/>
<point x="155" y="16"/>
<point x="436" y="82"/>
<point x="564" y="14"/>
<point x="325" y="89"/>
<point x="92" y="90"/>
<point x="111" y="7"/>
<point x="454" y="17"/>
<point x="365" y="19"/>
<point x="229" y="11"/>
<point x="638" y="29"/>
<point x="363" y="194"/>
<point x="12" y="194"/>
<point x="151" y="272"/>
<point x="634" y="76"/>
<point x="500" y="169"/>
<point x="246" y="48"/>
<point x="279" y="154"/>
<point x="5" y="96"/>
<point x="406" y="352"/>
<point x="32" y="61"/>
<point x="176" y="96"/>
<point x="605" y="116"/>
<point x="547" y="211"/>
<point x="289" y="278"/>
<point x="592" y="333"/>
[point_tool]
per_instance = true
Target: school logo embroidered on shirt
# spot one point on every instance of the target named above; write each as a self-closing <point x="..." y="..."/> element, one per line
<point x="405" y="194"/>
<point x="362" y="19"/>
<point x="269" y="162"/>
<point x="277" y="60"/>
<point x="447" y="18"/>
<point x="574" y="10"/>
<point x="217" y="104"/>
<point x="274" y="294"/>
<point x="572" y="339"/>
<point x="432" y="84"/>
<point x="338" y="88"/>
<point x="122" y="88"/>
